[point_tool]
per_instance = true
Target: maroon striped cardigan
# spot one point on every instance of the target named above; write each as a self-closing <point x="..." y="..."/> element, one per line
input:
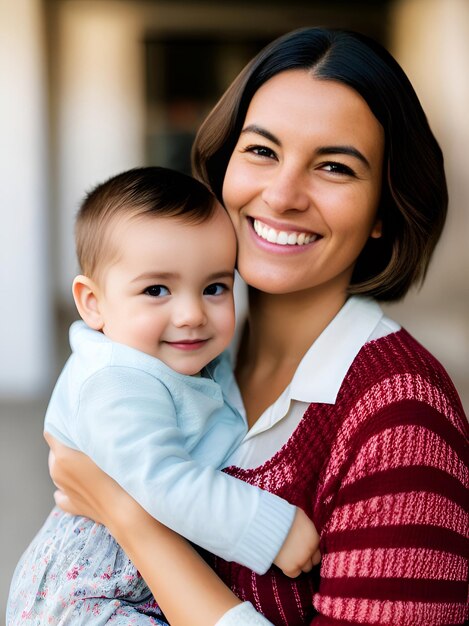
<point x="383" y="473"/>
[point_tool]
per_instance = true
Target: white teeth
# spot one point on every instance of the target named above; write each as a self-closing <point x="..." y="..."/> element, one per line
<point x="282" y="237"/>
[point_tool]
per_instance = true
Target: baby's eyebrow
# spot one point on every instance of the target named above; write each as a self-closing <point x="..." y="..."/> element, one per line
<point x="221" y="275"/>
<point x="155" y="276"/>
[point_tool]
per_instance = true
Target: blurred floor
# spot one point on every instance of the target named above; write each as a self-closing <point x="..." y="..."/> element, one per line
<point x="25" y="488"/>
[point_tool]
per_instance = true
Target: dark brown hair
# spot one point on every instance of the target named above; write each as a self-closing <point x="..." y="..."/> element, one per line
<point x="146" y="191"/>
<point x="414" y="196"/>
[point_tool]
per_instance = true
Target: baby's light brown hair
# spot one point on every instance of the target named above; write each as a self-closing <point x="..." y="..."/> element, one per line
<point x="145" y="191"/>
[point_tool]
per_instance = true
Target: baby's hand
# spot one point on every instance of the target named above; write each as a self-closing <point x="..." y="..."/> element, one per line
<point x="299" y="552"/>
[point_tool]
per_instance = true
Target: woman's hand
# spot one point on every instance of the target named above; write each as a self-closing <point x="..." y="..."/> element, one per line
<point x="83" y="489"/>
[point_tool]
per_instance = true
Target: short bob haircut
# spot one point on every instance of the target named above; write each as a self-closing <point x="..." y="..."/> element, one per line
<point x="148" y="192"/>
<point x="414" y="196"/>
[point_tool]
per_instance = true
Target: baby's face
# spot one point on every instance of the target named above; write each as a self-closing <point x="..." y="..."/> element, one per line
<point x="170" y="292"/>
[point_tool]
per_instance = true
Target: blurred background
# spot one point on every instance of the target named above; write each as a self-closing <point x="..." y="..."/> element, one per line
<point x="92" y="87"/>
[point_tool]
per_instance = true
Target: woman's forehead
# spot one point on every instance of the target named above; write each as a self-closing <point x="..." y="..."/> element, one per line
<point x="296" y="106"/>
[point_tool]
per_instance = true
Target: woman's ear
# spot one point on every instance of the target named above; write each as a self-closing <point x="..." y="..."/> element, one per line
<point x="377" y="230"/>
<point x="86" y="295"/>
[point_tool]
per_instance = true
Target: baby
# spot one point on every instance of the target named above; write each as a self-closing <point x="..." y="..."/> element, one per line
<point x="149" y="394"/>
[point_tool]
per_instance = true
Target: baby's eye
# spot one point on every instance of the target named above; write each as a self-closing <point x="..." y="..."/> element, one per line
<point x="216" y="289"/>
<point x="338" y="168"/>
<point x="157" y="291"/>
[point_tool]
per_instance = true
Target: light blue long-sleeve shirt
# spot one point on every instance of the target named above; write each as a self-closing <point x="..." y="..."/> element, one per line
<point x="162" y="435"/>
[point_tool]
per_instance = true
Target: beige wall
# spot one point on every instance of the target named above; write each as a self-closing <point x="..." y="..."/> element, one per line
<point x="25" y="285"/>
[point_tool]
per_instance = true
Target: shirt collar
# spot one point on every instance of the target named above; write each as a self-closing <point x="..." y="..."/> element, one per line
<point x="222" y="372"/>
<point x="322" y="370"/>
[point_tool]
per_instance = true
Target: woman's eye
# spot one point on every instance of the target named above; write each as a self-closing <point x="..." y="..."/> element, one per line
<point x="217" y="289"/>
<point x="261" y="151"/>
<point x="157" y="291"/>
<point x="337" y="168"/>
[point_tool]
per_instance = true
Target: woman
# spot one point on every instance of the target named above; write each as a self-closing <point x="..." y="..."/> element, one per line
<point x="325" y="162"/>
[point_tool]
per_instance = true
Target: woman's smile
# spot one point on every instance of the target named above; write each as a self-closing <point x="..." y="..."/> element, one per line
<point x="283" y="237"/>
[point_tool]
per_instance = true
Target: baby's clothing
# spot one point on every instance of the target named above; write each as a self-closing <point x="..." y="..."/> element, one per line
<point x="74" y="573"/>
<point x="160" y="434"/>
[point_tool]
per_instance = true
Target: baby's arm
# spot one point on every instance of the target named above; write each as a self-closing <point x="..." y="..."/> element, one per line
<point x="129" y="427"/>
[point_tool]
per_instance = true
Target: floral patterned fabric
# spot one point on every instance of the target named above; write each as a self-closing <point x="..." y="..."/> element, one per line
<point x="74" y="573"/>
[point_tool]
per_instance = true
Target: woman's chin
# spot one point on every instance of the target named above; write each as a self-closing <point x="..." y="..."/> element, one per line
<point x="268" y="282"/>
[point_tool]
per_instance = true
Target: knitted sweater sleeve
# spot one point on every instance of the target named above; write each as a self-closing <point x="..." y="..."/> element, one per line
<point x="394" y="540"/>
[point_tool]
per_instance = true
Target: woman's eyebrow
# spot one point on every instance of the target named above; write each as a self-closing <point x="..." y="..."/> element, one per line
<point x="324" y="150"/>
<point x="253" y="128"/>
<point x="350" y="150"/>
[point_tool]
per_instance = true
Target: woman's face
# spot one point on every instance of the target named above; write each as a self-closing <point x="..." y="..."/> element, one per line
<point x="303" y="184"/>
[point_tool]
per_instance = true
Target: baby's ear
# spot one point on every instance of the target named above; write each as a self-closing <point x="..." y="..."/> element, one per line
<point x="86" y="295"/>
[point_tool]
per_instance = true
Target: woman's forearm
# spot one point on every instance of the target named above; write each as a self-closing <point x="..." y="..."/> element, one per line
<point x="185" y="587"/>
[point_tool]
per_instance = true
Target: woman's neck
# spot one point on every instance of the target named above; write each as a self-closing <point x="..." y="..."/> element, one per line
<point x="280" y="330"/>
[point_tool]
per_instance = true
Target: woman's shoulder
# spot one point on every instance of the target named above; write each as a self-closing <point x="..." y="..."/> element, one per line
<point x="395" y="368"/>
<point x="396" y="385"/>
<point x="398" y="413"/>
<point x="399" y="351"/>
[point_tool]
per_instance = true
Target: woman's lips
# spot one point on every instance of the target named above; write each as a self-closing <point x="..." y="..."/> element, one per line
<point x="287" y="238"/>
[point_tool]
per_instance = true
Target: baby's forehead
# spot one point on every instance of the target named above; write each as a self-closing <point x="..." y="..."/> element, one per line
<point x="131" y="235"/>
<point x="175" y="213"/>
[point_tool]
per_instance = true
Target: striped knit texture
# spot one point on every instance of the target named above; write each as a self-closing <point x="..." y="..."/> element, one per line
<point x="383" y="473"/>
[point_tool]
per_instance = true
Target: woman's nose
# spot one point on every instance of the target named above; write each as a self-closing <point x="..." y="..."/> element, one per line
<point x="190" y="312"/>
<point x="286" y="190"/>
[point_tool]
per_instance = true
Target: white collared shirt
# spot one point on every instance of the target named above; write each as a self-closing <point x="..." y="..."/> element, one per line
<point x="318" y="378"/>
